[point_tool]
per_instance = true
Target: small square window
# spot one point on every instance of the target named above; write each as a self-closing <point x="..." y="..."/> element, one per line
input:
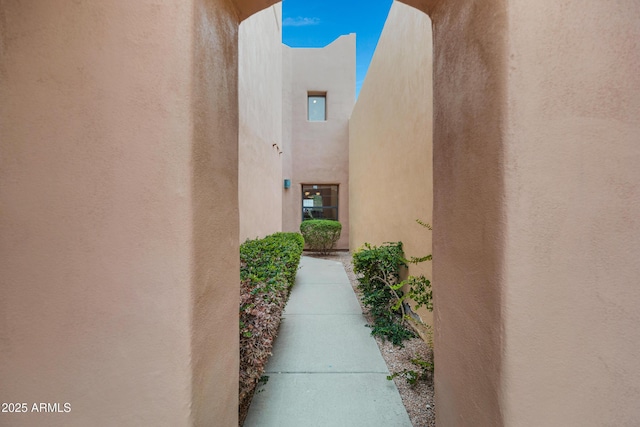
<point x="317" y="108"/>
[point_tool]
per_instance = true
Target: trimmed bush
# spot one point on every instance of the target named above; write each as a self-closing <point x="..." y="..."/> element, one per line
<point x="321" y="234"/>
<point x="267" y="272"/>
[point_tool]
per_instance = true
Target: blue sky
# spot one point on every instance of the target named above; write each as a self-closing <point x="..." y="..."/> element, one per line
<point x="316" y="23"/>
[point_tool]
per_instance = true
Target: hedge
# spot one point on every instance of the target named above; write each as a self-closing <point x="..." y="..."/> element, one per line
<point x="321" y="234"/>
<point x="267" y="272"/>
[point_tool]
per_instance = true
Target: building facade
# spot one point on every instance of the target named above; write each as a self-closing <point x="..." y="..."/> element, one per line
<point x="294" y="108"/>
<point x="260" y="139"/>
<point x="318" y="104"/>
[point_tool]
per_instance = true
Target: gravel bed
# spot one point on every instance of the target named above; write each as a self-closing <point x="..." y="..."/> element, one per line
<point x="418" y="399"/>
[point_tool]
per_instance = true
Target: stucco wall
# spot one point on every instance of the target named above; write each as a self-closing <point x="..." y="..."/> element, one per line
<point x="390" y="141"/>
<point x="572" y="341"/>
<point x="535" y="240"/>
<point x="290" y="214"/>
<point x="215" y="227"/>
<point x="470" y="72"/>
<point x="260" y="183"/>
<point x="119" y="211"/>
<point x="320" y="150"/>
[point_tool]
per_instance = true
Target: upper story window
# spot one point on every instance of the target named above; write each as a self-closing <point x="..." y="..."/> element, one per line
<point x="317" y="107"/>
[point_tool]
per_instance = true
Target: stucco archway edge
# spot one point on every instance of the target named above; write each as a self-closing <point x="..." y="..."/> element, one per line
<point x="246" y="8"/>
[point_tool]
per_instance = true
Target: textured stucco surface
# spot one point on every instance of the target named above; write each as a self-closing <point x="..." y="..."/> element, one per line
<point x="119" y="223"/>
<point x="390" y="141"/>
<point x="320" y="150"/>
<point x="260" y="185"/>
<point x="468" y="239"/>
<point x="535" y="241"/>
<point x="246" y="8"/>
<point x="96" y="211"/>
<point x="572" y="341"/>
<point x="290" y="214"/>
<point x="215" y="217"/>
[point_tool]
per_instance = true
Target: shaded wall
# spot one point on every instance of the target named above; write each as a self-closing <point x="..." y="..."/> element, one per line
<point x="572" y="197"/>
<point x="291" y="196"/>
<point x="535" y="234"/>
<point x="320" y="150"/>
<point x="260" y="141"/>
<point x="390" y="141"/>
<point x="470" y="71"/>
<point x="118" y="133"/>
<point x="214" y="258"/>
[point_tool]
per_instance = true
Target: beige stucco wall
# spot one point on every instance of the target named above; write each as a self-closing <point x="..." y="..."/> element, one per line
<point x="572" y="195"/>
<point x="320" y="150"/>
<point x="118" y="133"/>
<point x="214" y="199"/>
<point x="470" y="71"/>
<point x="290" y="214"/>
<point x="390" y="141"/>
<point x="535" y="240"/>
<point x="260" y="183"/>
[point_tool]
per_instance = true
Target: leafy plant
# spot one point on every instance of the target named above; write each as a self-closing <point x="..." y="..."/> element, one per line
<point x="419" y="290"/>
<point x="382" y="290"/>
<point x="379" y="271"/>
<point x="267" y="272"/>
<point x="321" y="234"/>
<point x="425" y="371"/>
<point x="419" y="287"/>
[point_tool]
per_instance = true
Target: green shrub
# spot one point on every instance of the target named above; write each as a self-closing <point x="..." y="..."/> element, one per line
<point x="321" y="234"/>
<point x="419" y="286"/>
<point x="382" y="290"/>
<point x="267" y="272"/>
<point x="378" y="268"/>
<point x="263" y="260"/>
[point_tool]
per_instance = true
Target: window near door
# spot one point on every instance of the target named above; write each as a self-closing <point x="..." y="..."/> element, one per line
<point x="319" y="201"/>
<point x="317" y="107"/>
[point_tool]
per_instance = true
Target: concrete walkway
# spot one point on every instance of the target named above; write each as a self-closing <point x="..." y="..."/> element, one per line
<point x="326" y="369"/>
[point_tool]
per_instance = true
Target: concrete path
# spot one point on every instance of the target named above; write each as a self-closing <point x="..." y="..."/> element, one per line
<point x="326" y="369"/>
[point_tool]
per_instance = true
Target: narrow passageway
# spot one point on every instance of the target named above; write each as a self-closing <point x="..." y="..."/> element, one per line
<point x="326" y="369"/>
